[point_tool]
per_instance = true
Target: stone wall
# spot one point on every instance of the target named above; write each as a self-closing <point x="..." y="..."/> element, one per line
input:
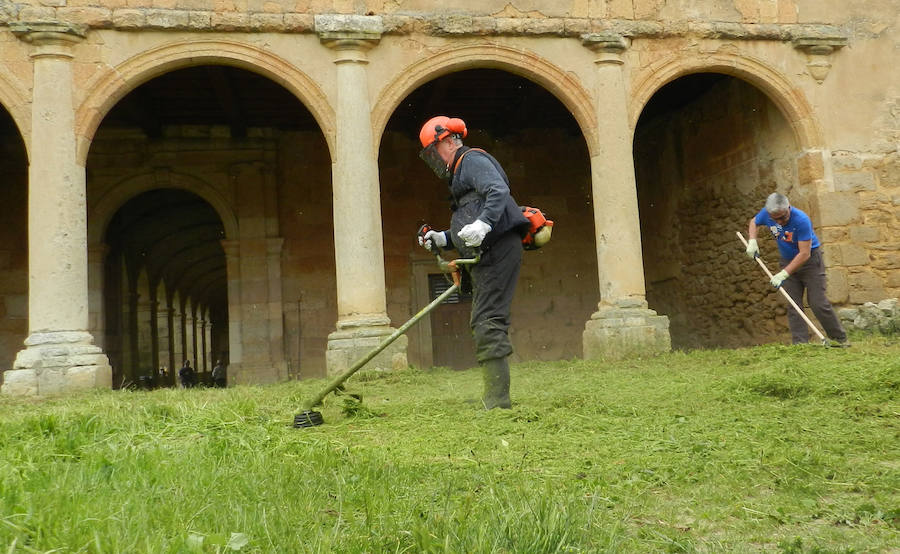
<point x="881" y="317"/>
<point x="861" y="224"/>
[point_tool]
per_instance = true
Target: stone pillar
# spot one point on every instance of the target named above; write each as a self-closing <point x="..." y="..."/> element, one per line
<point x="59" y="355"/>
<point x="204" y="346"/>
<point x="178" y="336"/>
<point x="145" y="346"/>
<point x="359" y="255"/>
<point x="623" y="324"/>
<point x="164" y="339"/>
<point x="233" y="275"/>
<point x="96" y="273"/>
<point x="190" y="337"/>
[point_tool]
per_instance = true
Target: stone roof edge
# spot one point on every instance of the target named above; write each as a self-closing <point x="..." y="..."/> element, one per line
<point x="453" y="25"/>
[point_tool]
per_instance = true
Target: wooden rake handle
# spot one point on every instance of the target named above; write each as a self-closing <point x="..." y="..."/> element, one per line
<point x="786" y="295"/>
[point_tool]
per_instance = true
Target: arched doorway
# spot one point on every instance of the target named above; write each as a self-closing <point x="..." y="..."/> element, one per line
<point x="708" y="149"/>
<point x="165" y="288"/>
<point x="13" y="241"/>
<point x="247" y="150"/>
<point x="543" y="151"/>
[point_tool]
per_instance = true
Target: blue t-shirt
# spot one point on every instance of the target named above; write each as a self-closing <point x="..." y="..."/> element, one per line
<point x="799" y="227"/>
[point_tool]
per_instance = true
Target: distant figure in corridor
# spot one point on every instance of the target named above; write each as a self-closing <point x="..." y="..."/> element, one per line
<point x="187" y="375"/>
<point x="218" y="375"/>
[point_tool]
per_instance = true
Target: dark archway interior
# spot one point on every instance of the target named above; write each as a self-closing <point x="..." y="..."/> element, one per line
<point x="497" y="102"/>
<point x="13" y="240"/>
<point x="708" y="148"/>
<point x="211" y="124"/>
<point x="174" y="238"/>
<point x="210" y="95"/>
<point x="543" y="151"/>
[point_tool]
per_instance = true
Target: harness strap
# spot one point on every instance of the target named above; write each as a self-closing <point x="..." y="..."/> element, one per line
<point x="463" y="155"/>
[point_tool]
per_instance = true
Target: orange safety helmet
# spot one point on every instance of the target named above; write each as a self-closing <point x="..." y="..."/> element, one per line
<point x="440" y="127"/>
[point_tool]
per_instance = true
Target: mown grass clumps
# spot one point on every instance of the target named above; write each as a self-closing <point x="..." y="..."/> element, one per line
<point x="774" y="448"/>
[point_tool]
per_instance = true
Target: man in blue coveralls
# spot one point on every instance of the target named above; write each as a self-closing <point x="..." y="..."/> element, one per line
<point x="801" y="265"/>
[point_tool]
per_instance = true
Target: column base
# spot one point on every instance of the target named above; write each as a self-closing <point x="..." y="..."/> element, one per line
<point x="352" y="341"/>
<point x="625" y="329"/>
<point x="57" y="362"/>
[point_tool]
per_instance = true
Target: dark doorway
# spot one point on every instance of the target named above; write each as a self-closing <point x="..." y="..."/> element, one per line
<point x="13" y="241"/>
<point x="165" y="277"/>
<point x="451" y="336"/>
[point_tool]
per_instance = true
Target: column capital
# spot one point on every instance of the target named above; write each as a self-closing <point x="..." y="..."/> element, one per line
<point x="50" y="38"/>
<point x="349" y="35"/>
<point x="608" y="46"/>
<point x="818" y="49"/>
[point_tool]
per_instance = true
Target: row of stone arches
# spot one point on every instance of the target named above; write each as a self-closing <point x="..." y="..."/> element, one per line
<point x="267" y="246"/>
<point x="111" y="86"/>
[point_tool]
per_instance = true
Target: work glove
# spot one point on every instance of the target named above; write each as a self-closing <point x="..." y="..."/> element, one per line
<point x="473" y="233"/>
<point x="432" y="239"/>
<point x="752" y="249"/>
<point x="779" y="278"/>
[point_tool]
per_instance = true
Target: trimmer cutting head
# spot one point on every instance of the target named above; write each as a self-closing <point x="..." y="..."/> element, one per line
<point x="308" y="418"/>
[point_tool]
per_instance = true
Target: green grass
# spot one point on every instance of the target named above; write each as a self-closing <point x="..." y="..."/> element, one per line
<point x="766" y="449"/>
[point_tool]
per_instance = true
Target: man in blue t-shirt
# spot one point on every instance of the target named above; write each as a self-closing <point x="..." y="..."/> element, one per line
<point x="801" y="265"/>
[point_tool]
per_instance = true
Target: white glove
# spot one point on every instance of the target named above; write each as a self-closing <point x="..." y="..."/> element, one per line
<point x="433" y="238"/>
<point x="473" y="233"/>
<point x="779" y="278"/>
<point x="752" y="249"/>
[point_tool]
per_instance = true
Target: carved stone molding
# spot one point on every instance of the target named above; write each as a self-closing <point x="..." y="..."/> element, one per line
<point x="818" y="51"/>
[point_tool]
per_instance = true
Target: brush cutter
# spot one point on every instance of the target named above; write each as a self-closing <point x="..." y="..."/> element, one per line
<point x="786" y="295"/>
<point x="311" y="418"/>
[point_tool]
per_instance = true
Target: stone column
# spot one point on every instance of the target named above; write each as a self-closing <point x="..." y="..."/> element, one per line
<point x="190" y="336"/>
<point x="144" y="332"/>
<point x="164" y="338"/>
<point x="178" y="336"/>
<point x="623" y="325"/>
<point x="359" y="254"/>
<point x="59" y="355"/>
<point x="232" y="250"/>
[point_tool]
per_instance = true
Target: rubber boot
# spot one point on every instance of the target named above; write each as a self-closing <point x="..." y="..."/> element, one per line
<point x="496" y="384"/>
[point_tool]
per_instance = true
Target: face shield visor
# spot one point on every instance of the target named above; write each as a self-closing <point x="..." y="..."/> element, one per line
<point x="433" y="159"/>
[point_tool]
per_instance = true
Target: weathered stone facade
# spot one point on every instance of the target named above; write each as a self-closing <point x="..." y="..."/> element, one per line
<point x="650" y="131"/>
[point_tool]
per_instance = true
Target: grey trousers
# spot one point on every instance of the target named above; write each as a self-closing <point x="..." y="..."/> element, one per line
<point x="494" y="284"/>
<point x="811" y="277"/>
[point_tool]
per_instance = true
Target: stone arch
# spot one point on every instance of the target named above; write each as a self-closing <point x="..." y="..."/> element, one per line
<point x="107" y="206"/>
<point x="115" y="83"/>
<point x="787" y="97"/>
<point x="520" y="62"/>
<point x="12" y="99"/>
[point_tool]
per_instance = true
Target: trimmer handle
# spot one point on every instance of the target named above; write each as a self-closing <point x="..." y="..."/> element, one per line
<point x="420" y="235"/>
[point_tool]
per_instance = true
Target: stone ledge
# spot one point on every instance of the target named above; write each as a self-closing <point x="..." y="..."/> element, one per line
<point x="456" y="25"/>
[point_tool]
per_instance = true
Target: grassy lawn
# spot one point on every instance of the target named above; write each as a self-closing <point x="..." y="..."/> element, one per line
<point x="772" y="449"/>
